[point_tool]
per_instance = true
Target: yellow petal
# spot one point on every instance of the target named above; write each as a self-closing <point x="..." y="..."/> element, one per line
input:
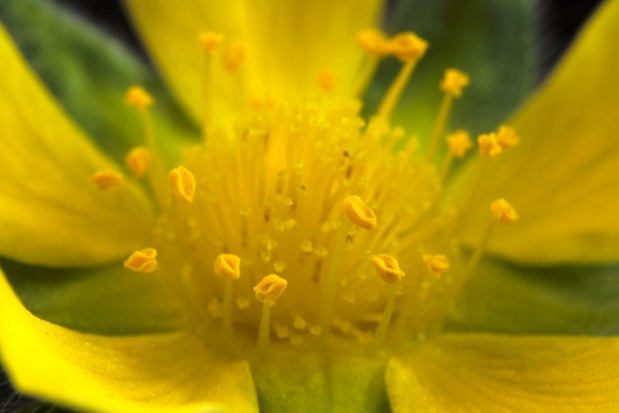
<point x="173" y="372"/>
<point x="487" y="373"/>
<point x="286" y="43"/>
<point x="564" y="177"/>
<point x="52" y="213"/>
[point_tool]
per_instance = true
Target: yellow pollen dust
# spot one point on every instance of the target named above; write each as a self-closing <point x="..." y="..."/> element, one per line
<point x="373" y="41"/>
<point x="507" y="137"/>
<point x="144" y="260"/>
<point x="436" y="264"/>
<point x="387" y="268"/>
<point x="227" y="266"/>
<point x="488" y="145"/>
<point x="182" y="184"/>
<point x="270" y="288"/>
<point x="503" y="211"/>
<point x="107" y="180"/>
<point x="359" y="213"/>
<point x="459" y="143"/>
<point x="454" y="82"/>
<point x="137" y="161"/>
<point x="210" y="40"/>
<point x="407" y="47"/>
<point x="139" y="98"/>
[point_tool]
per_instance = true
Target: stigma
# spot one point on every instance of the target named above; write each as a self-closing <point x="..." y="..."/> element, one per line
<point x="305" y="223"/>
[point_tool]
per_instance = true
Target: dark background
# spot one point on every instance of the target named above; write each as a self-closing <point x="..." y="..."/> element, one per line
<point x="557" y="22"/>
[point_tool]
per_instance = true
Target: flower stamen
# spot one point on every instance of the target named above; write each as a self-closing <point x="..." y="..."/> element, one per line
<point x="374" y="43"/>
<point x="409" y="49"/>
<point x="108" y="180"/>
<point x="137" y="161"/>
<point x="182" y="184"/>
<point x="502" y="212"/>
<point x="388" y="269"/>
<point x="209" y="43"/>
<point x="437" y="264"/>
<point x="458" y="144"/>
<point x="361" y="215"/>
<point x="144" y="260"/>
<point x="326" y="80"/>
<point x="452" y="84"/>
<point x="507" y="137"/>
<point x="233" y="56"/>
<point x="228" y="267"/>
<point x="141" y="100"/>
<point x="268" y="290"/>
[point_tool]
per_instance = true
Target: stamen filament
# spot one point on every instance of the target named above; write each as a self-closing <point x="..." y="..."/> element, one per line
<point x="227" y="307"/>
<point x="439" y="126"/>
<point x="502" y="213"/>
<point x="328" y="298"/>
<point x="479" y="251"/>
<point x="206" y="87"/>
<point x="395" y="90"/>
<point x="448" y="163"/>
<point x="366" y="76"/>
<point x="385" y="321"/>
<point x="264" y="334"/>
<point x="268" y="290"/>
<point x="474" y="190"/>
<point x="373" y="42"/>
<point x="209" y="42"/>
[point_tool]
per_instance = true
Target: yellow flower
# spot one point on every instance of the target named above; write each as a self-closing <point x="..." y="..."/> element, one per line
<point x="301" y="258"/>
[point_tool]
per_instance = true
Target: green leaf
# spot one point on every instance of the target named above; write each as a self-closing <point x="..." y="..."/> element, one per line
<point x="89" y="72"/>
<point x="108" y="300"/>
<point x="491" y="40"/>
<point x="505" y="298"/>
<point x="320" y="383"/>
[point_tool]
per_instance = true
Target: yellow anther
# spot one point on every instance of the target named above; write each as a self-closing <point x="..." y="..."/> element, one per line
<point x="407" y="47"/>
<point x="210" y="41"/>
<point x="139" y="98"/>
<point x="359" y="213"/>
<point x="503" y="211"/>
<point x="387" y="268"/>
<point x="142" y="261"/>
<point x="107" y="180"/>
<point x="488" y="145"/>
<point x="372" y="41"/>
<point x="507" y="137"/>
<point x="227" y="266"/>
<point x="270" y="288"/>
<point x="459" y="143"/>
<point x="326" y="80"/>
<point x="436" y="264"/>
<point x="235" y="52"/>
<point x="454" y="81"/>
<point x="182" y="184"/>
<point x="137" y="161"/>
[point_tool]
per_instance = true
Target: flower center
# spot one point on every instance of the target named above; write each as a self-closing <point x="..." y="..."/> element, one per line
<point x="301" y="224"/>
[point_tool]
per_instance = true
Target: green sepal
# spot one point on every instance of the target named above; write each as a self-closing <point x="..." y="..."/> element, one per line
<point x="505" y="298"/>
<point x="491" y="40"/>
<point x="107" y="300"/>
<point x="314" y="382"/>
<point x="89" y="73"/>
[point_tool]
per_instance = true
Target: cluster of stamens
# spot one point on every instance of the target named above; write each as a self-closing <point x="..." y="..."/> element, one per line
<point x="303" y="204"/>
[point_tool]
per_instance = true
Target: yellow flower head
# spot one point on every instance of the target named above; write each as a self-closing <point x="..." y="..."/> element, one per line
<point x="275" y="245"/>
